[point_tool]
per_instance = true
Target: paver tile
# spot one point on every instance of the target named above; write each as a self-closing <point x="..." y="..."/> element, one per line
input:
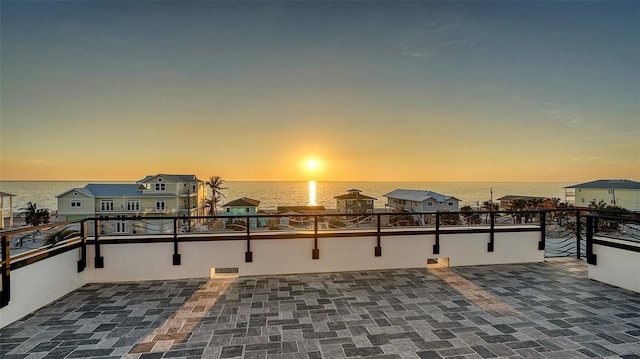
<point x="537" y="310"/>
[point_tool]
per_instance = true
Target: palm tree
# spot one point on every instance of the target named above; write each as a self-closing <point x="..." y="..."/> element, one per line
<point x="35" y="216"/>
<point x="469" y="216"/>
<point x="58" y="236"/>
<point x="216" y="183"/>
<point x="517" y="205"/>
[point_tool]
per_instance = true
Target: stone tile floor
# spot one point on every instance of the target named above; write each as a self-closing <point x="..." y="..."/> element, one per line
<point x="539" y="310"/>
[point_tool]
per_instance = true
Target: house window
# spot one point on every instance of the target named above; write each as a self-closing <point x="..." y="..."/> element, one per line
<point x="246" y="209"/>
<point x="120" y="227"/>
<point x="106" y="205"/>
<point x="193" y="188"/>
<point x="450" y="204"/>
<point x="133" y="205"/>
<point x="612" y="202"/>
<point x="610" y="191"/>
<point x="369" y="210"/>
<point x="415" y="204"/>
<point x="369" y="201"/>
<point x="76" y="203"/>
<point x="228" y="210"/>
<point x="160" y="205"/>
<point x="349" y="210"/>
<point x="160" y="187"/>
<point x="349" y="201"/>
<point x="582" y="200"/>
<point x="429" y="204"/>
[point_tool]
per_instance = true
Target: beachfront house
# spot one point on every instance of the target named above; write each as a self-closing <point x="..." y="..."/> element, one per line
<point x="155" y="195"/>
<point x="412" y="200"/>
<point x="354" y="202"/>
<point x="239" y="207"/>
<point x="6" y="215"/>
<point x="614" y="192"/>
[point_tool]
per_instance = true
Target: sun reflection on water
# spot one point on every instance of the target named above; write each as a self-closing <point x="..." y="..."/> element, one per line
<point x="312" y="193"/>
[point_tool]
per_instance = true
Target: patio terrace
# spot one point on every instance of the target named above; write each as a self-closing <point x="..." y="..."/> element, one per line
<point x="535" y="310"/>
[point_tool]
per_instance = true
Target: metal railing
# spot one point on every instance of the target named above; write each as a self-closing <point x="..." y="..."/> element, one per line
<point x="152" y="229"/>
<point x="621" y="231"/>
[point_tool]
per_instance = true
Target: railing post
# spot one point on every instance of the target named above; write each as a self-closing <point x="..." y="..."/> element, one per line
<point x="436" y="247"/>
<point x="176" y="255"/>
<point x="543" y="230"/>
<point x="591" y="258"/>
<point x="378" y="249"/>
<point x="248" y="255"/>
<point x="82" y="263"/>
<point x="315" y="253"/>
<point x="98" y="261"/>
<point x="578" y="235"/>
<point x="5" y="270"/>
<point x="490" y="245"/>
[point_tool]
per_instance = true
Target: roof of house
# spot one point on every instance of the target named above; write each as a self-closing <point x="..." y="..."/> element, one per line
<point x="609" y="184"/>
<point x="107" y="190"/>
<point x="127" y="189"/>
<point x="243" y="202"/>
<point x="354" y="195"/>
<point x="175" y="178"/>
<point x="5" y="194"/>
<point x="113" y="189"/>
<point x="417" y="195"/>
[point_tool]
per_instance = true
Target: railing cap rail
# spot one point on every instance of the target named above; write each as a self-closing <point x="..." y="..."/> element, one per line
<point x="628" y="217"/>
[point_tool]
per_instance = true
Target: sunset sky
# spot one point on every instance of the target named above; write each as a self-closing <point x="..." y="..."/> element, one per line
<point x="373" y="91"/>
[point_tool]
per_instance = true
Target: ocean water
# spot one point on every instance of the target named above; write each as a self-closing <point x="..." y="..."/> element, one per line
<point x="275" y="193"/>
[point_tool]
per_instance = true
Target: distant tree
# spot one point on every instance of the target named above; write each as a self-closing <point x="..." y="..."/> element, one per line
<point x="35" y="216"/>
<point x="600" y="206"/>
<point x="488" y="206"/>
<point x="448" y="218"/>
<point x="517" y="205"/>
<point x="468" y="215"/>
<point x="216" y="183"/>
<point x="534" y="203"/>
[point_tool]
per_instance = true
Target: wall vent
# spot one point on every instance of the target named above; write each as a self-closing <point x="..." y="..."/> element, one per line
<point x="226" y="270"/>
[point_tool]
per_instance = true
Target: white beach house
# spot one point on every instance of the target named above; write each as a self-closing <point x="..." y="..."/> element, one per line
<point x="614" y="192"/>
<point x="154" y="195"/>
<point x="412" y="200"/>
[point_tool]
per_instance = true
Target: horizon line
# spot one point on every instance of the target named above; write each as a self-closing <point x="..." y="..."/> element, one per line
<point x="416" y="181"/>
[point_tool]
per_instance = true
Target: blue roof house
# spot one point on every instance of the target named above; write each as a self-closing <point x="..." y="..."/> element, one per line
<point x="412" y="200"/>
<point x="242" y="207"/>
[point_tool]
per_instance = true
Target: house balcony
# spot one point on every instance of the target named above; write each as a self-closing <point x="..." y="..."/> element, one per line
<point x="322" y="293"/>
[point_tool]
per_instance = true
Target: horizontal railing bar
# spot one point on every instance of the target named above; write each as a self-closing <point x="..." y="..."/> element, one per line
<point x="275" y="235"/>
<point x="45" y="248"/>
<point x="615" y="244"/>
<point x="23" y="262"/>
<point x="622" y="217"/>
<point x="39" y="227"/>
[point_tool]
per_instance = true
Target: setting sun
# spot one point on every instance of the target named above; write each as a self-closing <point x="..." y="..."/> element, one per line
<point x="312" y="164"/>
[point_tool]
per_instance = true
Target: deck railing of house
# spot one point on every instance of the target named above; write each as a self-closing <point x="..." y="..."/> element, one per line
<point x="622" y="232"/>
<point x="87" y="238"/>
<point x="613" y="249"/>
